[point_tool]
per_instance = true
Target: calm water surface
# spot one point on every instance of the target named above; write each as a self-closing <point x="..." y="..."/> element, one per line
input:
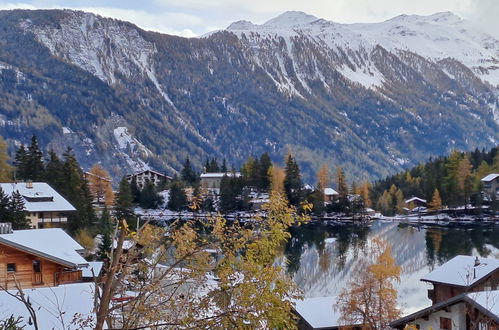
<point x="323" y="258"/>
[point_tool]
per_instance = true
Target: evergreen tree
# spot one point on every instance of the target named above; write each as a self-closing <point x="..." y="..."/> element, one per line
<point x="342" y="187"/>
<point x="5" y="214"/>
<point x="265" y="165"/>
<point x="228" y="194"/>
<point x="75" y="190"/>
<point x="123" y="204"/>
<point x="178" y="198"/>
<point x="135" y="190"/>
<point x="224" y="169"/>
<point x="5" y="168"/>
<point x="149" y="198"/>
<point x="54" y="174"/>
<point x="292" y="181"/>
<point x="21" y="163"/>
<point x="35" y="167"/>
<point x="106" y="229"/>
<point x="188" y="175"/>
<point x="18" y="212"/>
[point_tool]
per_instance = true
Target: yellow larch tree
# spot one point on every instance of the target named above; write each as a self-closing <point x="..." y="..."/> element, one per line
<point x="99" y="182"/>
<point x="370" y="300"/>
<point x="5" y="168"/>
<point x="436" y="201"/>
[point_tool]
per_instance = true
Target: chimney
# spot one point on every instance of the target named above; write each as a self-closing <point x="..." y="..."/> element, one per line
<point x="477" y="262"/>
<point x="5" y="228"/>
<point x="29" y="184"/>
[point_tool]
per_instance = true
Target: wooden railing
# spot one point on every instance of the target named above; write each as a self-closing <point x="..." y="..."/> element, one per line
<point x="70" y="276"/>
<point x="37" y="278"/>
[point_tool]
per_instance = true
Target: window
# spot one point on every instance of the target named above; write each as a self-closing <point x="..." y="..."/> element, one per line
<point x="37" y="266"/>
<point x="445" y="323"/>
<point x="11" y="267"/>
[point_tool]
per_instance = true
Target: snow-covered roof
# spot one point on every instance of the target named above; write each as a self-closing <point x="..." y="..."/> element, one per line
<point x="40" y="198"/>
<point x="319" y="312"/>
<point x="48" y="303"/>
<point x="460" y="271"/>
<point x="49" y="243"/>
<point x="330" y="192"/>
<point x="415" y="199"/>
<point x="489" y="300"/>
<point x="148" y="170"/>
<point x="96" y="266"/>
<point x="220" y="175"/>
<point x="490" y="177"/>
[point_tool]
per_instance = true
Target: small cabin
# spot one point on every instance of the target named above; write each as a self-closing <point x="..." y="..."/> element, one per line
<point x="330" y="194"/>
<point x="415" y="202"/>
<point x="39" y="258"/>
<point x="44" y="206"/>
<point x="462" y="274"/>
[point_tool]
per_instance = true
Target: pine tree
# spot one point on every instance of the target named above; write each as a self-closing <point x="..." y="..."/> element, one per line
<point x="106" y="229"/>
<point x="5" y="168"/>
<point x="214" y="168"/>
<point x="75" y="190"/>
<point x="342" y="187"/>
<point x="149" y="198"/>
<point x="224" y="169"/>
<point x="35" y="169"/>
<point x="292" y="181"/>
<point x="265" y="165"/>
<point x="5" y="213"/>
<point x="18" y="212"/>
<point x="21" y="163"/>
<point x="177" y="198"/>
<point x="54" y="173"/>
<point x="123" y="204"/>
<point x="188" y="174"/>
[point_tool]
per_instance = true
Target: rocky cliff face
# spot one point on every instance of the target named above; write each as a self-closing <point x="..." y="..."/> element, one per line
<point x="370" y="97"/>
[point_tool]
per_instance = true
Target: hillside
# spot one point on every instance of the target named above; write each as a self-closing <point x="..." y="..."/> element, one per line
<point x="374" y="98"/>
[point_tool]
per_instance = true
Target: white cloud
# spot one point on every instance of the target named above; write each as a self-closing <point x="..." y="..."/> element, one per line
<point x="485" y="13"/>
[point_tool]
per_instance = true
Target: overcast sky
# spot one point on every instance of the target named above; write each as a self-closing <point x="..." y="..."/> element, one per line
<point x="195" y="17"/>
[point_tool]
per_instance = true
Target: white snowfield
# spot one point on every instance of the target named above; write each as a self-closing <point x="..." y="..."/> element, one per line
<point x="461" y="271"/>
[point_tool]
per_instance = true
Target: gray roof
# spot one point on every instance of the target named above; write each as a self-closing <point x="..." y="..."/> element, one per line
<point x="490" y="177"/>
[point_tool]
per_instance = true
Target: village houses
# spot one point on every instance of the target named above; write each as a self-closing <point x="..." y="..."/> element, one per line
<point x="490" y="186"/>
<point x="141" y="178"/>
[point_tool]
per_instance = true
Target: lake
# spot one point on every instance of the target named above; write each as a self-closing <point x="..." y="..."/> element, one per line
<point x="323" y="258"/>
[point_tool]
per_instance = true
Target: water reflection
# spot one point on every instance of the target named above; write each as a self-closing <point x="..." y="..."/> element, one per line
<point x="324" y="258"/>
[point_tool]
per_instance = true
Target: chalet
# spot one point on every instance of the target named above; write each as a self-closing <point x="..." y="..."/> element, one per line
<point x="148" y="175"/>
<point x="465" y="295"/>
<point x="462" y="274"/>
<point x="490" y="186"/>
<point x="415" y="202"/>
<point x="213" y="180"/>
<point x="44" y="206"/>
<point x="475" y="310"/>
<point x="330" y="194"/>
<point x="39" y="258"/>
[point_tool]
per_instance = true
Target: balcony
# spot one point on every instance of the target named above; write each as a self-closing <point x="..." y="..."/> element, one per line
<point x="69" y="276"/>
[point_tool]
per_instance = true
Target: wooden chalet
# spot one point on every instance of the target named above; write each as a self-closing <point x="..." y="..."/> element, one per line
<point x="462" y="274"/>
<point x="39" y="258"/>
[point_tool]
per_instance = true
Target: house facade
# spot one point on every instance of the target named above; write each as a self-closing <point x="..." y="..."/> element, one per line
<point x="141" y="178"/>
<point x="39" y="258"/>
<point x="44" y="206"/>
<point x="490" y="186"/>
<point x="465" y="295"/>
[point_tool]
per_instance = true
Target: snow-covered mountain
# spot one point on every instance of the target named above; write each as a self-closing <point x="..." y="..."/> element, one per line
<point x="370" y="97"/>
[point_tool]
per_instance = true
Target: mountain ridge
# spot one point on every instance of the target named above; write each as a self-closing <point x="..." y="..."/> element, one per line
<point x="329" y="96"/>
